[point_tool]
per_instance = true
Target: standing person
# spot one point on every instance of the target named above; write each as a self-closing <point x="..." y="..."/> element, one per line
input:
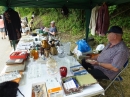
<point x="33" y="14"/>
<point x="113" y="57"/>
<point x="31" y="23"/>
<point x="2" y="28"/>
<point x="12" y="24"/>
<point x="27" y="29"/>
<point x="23" y="27"/>
<point x="53" y="29"/>
<point x="26" y="19"/>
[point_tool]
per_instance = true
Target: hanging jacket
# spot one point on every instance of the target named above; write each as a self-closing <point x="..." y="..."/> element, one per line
<point x="93" y="19"/>
<point x="12" y="24"/>
<point x="102" y="23"/>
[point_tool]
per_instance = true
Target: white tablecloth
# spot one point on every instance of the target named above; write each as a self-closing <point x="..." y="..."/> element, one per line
<point x="26" y="82"/>
<point x="26" y="88"/>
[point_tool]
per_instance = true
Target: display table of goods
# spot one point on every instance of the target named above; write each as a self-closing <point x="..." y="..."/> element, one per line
<point x="42" y="76"/>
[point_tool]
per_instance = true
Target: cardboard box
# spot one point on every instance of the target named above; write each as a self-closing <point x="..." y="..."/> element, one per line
<point x="81" y="82"/>
<point x="54" y="88"/>
<point x="19" y="55"/>
<point x="78" y="70"/>
<point x="71" y="90"/>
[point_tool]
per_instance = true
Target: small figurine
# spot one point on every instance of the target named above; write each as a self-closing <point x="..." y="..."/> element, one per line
<point x="53" y="49"/>
<point x="46" y="52"/>
<point x="45" y="44"/>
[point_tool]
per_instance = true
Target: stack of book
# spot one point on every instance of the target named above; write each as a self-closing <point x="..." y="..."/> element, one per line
<point x="14" y="65"/>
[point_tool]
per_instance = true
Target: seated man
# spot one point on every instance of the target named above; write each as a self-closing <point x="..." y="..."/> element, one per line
<point x="53" y="29"/>
<point x="109" y="62"/>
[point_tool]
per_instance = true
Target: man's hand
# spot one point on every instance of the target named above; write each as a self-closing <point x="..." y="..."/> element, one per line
<point x="93" y="62"/>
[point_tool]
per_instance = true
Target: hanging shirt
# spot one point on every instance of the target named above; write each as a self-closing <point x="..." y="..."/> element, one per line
<point x="102" y="23"/>
<point x="93" y="19"/>
<point x="12" y="24"/>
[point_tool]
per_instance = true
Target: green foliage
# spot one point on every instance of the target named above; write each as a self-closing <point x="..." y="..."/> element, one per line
<point x="112" y="9"/>
<point x="99" y="39"/>
<point x="120" y="15"/>
<point x="121" y="21"/>
<point x="126" y="37"/>
<point x="2" y="9"/>
<point x="72" y="24"/>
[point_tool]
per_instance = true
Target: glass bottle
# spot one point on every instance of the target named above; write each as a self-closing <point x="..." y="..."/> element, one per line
<point x="32" y="50"/>
<point x="36" y="54"/>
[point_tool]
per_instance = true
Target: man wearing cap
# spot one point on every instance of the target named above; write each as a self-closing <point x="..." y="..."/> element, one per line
<point x="110" y="61"/>
<point x="53" y="29"/>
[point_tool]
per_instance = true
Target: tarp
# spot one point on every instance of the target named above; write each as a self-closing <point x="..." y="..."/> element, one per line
<point x="78" y="4"/>
<point x="75" y="4"/>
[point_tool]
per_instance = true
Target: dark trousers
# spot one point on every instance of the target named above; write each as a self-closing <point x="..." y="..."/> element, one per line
<point x="97" y="74"/>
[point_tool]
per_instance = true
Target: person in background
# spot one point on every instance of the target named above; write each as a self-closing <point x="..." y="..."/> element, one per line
<point x="23" y="27"/>
<point x="33" y="15"/>
<point x="31" y="23"/>
<point x="26" y="19"/>
<point x="53" y="29"/>
<point x="2" y="28"/>
<point x="27" y="30"/>
<point x="109" y="62"/>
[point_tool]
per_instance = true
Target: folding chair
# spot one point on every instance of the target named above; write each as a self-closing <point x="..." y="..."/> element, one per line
<point x="117" y="78"/>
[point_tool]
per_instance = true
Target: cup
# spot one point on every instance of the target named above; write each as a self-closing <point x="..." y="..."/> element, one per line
<point x="63" y="71"/>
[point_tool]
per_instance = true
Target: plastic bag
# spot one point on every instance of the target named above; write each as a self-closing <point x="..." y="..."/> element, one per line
<point x="83" y="46"/>
<point x="100" y="47"/>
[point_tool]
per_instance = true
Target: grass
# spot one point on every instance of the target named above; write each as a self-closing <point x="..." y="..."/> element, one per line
<point x="111" y="92"/>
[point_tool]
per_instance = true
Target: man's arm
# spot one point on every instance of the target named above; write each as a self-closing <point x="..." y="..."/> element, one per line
<point x="53" y="33"/>
<point x="108" y="66"/>
<point x="118" y="61"/>
<point x="105" y="65"/>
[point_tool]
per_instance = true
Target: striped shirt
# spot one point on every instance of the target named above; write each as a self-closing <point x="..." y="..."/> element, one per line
<point x="116" y="55"/>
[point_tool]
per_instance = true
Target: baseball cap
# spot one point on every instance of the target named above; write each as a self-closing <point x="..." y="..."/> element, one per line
<point x="115" y="29"/>
<point x="52" y="22"/>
